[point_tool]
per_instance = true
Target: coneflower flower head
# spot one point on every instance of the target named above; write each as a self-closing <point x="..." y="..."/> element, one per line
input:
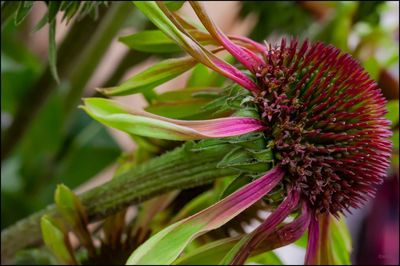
<point x="325" y="119"/>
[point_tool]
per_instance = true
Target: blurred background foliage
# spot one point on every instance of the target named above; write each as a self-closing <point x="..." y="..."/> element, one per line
<point x="46" y="140"/>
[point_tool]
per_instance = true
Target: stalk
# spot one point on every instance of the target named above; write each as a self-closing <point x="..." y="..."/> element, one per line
<point x="178" y="169"/>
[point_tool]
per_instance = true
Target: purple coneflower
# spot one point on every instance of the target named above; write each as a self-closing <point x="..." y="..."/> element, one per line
<point x="324" y="117"/>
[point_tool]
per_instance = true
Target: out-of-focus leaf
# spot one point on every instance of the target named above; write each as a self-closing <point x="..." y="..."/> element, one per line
<point x="372" y="66"/>
<point x="56" y="239"/>
<point x="393" y="111"/>
<point x="53" y="8"/>
<point x="302" y="241"/>
<point x="23" y="10"/>
<point x="34" y="256"/>
<point x="78" y="164"/>
<point x="153" y="41"/>
<point x="337" y="30"/>
<point x="368" y="11"/>
<point x="174" y="5"/>
<point x="203" y="77"/>
<point x="270" y="18"/>
<point x="53" y="51"/>
<point x="268" y="258"/>
<point x="340" y="241"/>
<point x="152" y="77"/>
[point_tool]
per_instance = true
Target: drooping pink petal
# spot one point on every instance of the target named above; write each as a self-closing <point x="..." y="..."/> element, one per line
<point x="288" y="233"/>
<point x="266" y="228"/>
<point x="313" y="242"/>
<point x="248" y="59"/>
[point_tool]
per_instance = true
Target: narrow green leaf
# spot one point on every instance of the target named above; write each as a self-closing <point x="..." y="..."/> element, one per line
<point x="153" y="41"/>
<point x="42" y="22"/>
<point x="340" y="241"/>
<point x="152" y="77"/>
<point x="53" y="51"/>
<point x="23" y="10"/>
<point x="56" y="239"/>
<point x="53" y="8"/>
<point x="72" y="210"/>
<point x="69" y="205"/>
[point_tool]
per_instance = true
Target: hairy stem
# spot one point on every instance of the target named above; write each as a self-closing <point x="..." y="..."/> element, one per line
<point x="178" y="169"/>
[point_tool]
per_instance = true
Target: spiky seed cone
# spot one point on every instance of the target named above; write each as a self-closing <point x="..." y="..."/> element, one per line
<point x="326" y="122"/>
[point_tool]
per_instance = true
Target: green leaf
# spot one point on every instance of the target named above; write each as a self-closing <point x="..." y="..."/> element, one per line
<point x="393" y="111"/>
<point x="242" y="159"/>
<point x="340" y="241"/>
<point x="152" y="77"/>
<point x="153" y="41"/>
<point x="202" y="77"/>
<point x="174" y="5"/>
<point x="53" y="8"/>
<point x="23" y="10"/>
<point x="268" y="258"/>
<point x="56" y="239"/>
<point x="208" y="254"/>
<point x="53" y="51"/>
<point x="236" y="184"/>
<point x="70" y="206"/>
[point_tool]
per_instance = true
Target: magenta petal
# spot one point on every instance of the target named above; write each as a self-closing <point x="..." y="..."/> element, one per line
<point x="288" y="233"/>
<point x="225" y="127"/>
<point x="312" y="245"/>
<point x="267" y="227"/>
<point x="215" y="128"/>
<point x="242" y="56"/>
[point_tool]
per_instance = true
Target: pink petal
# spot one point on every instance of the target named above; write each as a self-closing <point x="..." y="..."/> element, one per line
<point x="214" y="128"/>
<point x="313" y="242"/>
<point x="267" y="227"/>
<point x="248" y="60"/>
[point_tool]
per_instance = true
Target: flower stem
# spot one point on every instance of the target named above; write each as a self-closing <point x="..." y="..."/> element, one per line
<point x="178" y="169"/>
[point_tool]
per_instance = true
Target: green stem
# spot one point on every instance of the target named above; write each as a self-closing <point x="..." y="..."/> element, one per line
<point x="178" y="169"/>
